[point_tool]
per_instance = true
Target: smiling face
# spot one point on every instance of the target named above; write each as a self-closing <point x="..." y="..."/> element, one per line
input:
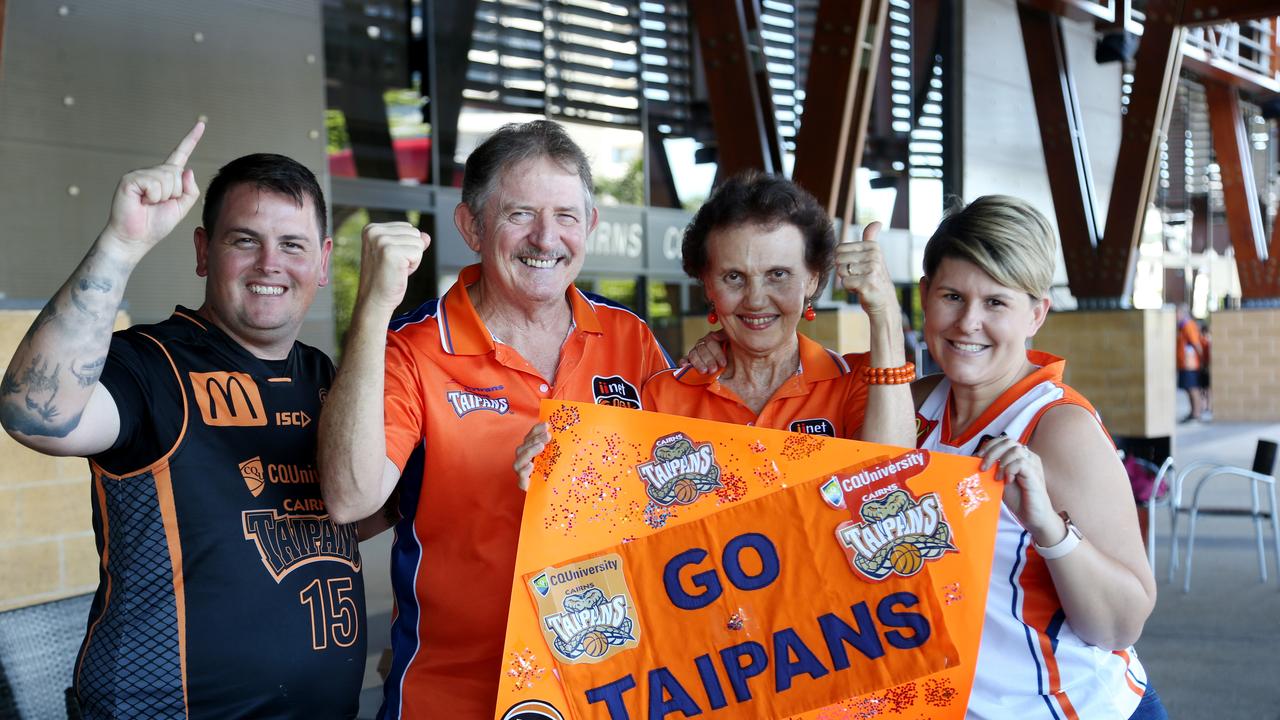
<point x="532" y="235"/>
<point x="264" y="264"/>
<point x="976" y="328"/>
<point x="758" y="280"/>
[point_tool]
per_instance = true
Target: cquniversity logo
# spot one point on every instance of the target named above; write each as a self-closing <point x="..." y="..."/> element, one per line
<point x="541" y="584"/>
<point x="832" y="493"/>
<point x="586" y="609"/>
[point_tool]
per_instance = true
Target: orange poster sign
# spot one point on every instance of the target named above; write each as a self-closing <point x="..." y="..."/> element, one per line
<point x="672" y="568"/>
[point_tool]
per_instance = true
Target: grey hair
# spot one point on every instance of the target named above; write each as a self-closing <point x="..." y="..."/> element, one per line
<point x="513" y="144"/>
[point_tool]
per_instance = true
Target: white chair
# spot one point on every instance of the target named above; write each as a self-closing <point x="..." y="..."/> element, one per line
<point x="1160" y="497"/>
<point x="1203" y="471"/>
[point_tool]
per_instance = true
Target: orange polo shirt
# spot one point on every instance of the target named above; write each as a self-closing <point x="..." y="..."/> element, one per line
<point x="457" y="405"/>
<point x="828" y="396"/>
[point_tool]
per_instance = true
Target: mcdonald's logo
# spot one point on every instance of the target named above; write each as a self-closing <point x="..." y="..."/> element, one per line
<point x="228" y="399"/>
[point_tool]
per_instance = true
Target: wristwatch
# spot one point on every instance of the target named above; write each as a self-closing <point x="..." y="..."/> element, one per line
<point x="1065" y="545"/>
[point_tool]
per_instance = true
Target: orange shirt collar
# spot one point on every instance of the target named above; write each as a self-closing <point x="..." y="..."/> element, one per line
<point x="1048" y="367"/>
<point x="462" y="332"/>
<point x="816" y="364"/>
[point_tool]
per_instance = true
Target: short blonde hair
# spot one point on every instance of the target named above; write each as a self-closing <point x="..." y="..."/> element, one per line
<point x="1008" y="238"/>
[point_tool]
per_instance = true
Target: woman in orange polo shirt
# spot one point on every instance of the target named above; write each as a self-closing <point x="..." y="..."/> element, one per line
<point x="763" y="248"/>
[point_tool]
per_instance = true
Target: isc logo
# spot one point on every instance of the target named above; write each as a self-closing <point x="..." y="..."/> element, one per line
<point x="298" y="418"/>
<point x="228" y="399"/>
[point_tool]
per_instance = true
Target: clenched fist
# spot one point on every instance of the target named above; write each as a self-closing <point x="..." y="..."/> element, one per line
<point x="391" y="252"/>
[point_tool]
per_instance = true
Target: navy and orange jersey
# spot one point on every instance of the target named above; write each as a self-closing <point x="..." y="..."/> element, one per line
<point x="1031" y="663"/>
<point x="457" y="405"/>
<point x="827" y="396"/>
<point x="224" y="589"/>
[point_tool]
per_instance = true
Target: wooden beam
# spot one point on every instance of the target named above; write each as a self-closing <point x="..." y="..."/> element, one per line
<point x="1142" y="127"/>
<point x="1214" y="12"/>
<point x="1100" y="268"/>
<point x="1065" y="154"/>
<point x="744" y="121"/>
<point x="1077" y="9"/>
<point x="832" y="84"/>
<point x="868" y="69"/>
<point x="1259" y="269"/>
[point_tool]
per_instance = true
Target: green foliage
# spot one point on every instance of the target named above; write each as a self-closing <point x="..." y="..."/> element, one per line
<point x="335" y="125"/>
<point x="344" y="270"/>
<point x="625" y="190"/>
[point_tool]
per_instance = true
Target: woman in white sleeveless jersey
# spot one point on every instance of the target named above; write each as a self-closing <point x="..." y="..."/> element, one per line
<point x="1070" y="588"/>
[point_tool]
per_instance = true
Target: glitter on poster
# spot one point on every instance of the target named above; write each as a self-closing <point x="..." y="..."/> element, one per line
<point x="563" y="419"/>
<point x="546" y="460"/>
<point x="768" y="475"/>
<point x="733" y="489"/>
<point x="899" y="699"/>
<point x="523" y="667"/>
<point x="799" y="447"/>
<point x="971" y="493"/>
<point x="656" y="516"/>
<point x="951" y="593"/>
<point x="938" y="692"/>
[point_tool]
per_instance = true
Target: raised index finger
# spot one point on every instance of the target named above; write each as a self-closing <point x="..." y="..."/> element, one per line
<point x="181" y="153"/>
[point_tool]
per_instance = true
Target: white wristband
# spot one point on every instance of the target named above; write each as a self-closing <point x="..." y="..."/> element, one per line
<point x="1064" y="546"/>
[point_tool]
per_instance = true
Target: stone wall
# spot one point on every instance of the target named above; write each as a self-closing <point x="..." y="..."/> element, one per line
<point x="1123" y="362"/>
<point x="1244" y="374"/>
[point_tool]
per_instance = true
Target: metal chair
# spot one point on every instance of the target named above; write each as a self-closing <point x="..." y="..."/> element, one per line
<point x="1160" y="497"/>
<point x="1202" y="471"/>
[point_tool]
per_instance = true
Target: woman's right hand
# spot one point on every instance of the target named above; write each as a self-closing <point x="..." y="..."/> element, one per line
<point x="708" y="354"/>
<point x="861" y="269"/>
<point x="533" y="444"/>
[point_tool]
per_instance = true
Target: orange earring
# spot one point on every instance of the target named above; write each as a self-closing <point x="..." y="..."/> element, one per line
<point x="712" y="317"/>
<point x="809" y="314"/>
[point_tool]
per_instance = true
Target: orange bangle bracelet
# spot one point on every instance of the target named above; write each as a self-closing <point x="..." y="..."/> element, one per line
<point x="889" y="376"/>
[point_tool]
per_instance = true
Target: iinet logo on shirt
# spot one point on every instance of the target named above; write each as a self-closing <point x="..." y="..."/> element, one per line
<point x="469" y="402"/>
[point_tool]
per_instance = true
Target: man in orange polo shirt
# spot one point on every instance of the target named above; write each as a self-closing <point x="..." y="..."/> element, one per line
<point x="462" y="378"/>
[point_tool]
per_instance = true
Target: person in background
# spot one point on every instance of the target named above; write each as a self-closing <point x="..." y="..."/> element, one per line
<point x="1070" y="587"/>
<point x="1190" y="356"/>
<point x="436" y="406"/>
<point x="225" y="589"/>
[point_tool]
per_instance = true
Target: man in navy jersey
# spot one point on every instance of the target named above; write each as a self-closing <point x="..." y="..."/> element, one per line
<point x="225" y="590"/>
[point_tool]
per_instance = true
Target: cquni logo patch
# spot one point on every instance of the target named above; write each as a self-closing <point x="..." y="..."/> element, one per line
<point x="542" y="585"/>
<point x="897" y="535"/>
<point x="586" y="609"/>
<point x="680" y="471"/>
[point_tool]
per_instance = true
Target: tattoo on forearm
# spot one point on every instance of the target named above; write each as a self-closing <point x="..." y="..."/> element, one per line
<point x="47" y="314"/>
<point x="91" y="293"/>
<point x="88" y="373"/>
<point x="9" y="385"/>
<point x="41" y="385"/>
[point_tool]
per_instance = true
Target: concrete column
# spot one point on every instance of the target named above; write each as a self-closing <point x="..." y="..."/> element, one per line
<point x="1123" y="362"/>
<point x="1244" y="365"/>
